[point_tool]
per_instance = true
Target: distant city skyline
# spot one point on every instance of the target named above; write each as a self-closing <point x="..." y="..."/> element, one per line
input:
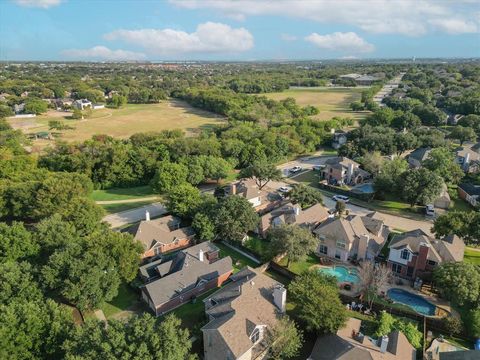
<point x="229" y="30"/>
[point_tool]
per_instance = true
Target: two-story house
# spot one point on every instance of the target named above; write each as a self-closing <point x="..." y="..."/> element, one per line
<point x="342" y="170"/>
<point x="352" y="237"/>
<point x="240" y="316"/>
<point x="414" y="254"/>
<point x="468" y="157"/>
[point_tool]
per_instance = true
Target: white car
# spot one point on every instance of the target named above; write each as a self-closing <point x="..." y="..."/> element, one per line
<point x="341" y="198"/>
<point x="430" y="210"/>
<point x="284" y="189"/>
<point x="295" y="169"/>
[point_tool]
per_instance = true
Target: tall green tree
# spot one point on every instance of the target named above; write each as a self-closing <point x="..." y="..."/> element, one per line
<point x="168" y="176"/>
<point x="16" y="242"/>
<point x="459" y="282"/>
<point x="420" y="186"/>
<point x="442" y="162"/>
<point x="305" y="196"/>
<point x="262" y="172"/>
<point x="294" y="241"/>
<point x="183" y="200"/>
<point x="461" y="223"/>
<point x="463" y="134"/>
<point x="317" y="302"/>
<point x="285" y="339"/>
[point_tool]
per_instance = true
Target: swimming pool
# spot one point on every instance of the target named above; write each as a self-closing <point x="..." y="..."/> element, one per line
<point x="416" y="302"/>
<point x="364" y="188"/>
<point x="342" y="274"/>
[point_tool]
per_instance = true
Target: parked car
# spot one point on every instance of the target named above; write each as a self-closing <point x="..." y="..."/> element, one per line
<point x="284" y="189"/>
<point x="318" y="167"/>
<point x="430" y="210"/>
<point x="295" y="169"/>
<point x="341" y="198"/>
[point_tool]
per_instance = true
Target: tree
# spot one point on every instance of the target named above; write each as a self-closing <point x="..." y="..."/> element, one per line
<point x="183" y="200"/>
<point x="317" y="302"/>
<point x="84" y="214"/>
<point x="216" y="168"/>
<point x="140" y="337"/>
<point x="459" y="282"/>
<point x="305" y="196"/>
<point x="473" y="322"/>
<point x="372" y="279"/>
<point x="406" y="120"/>
<point x="472" y="121"/>
<point x="453" y="325"/>
<point x="263" y="172"/>
<point x="17" y="283"/>
<point x="77" y="114"/>
<point x="442" y="162"/>
<point x="340" y="208"/>
<point x="16" y="243"/>
<point x="388" y="323"/>
<point x="234" y="217"/>
<point x="388" y="181"/>
<point x="57" y="125"/>
<point x="373" y="162"/>
<point x="461" y="223"/>
<point x="204" y="227"/>
<point x="5" y="111"/>
<point x="420" y="186"/>
<point x="293" y="241"/>
<point x="168" y="176"/>
<point x="357" y="106"/>
<point x="381" y="117"/>
<point x="463" y="134"/>
<point x="35" y="106"/>
<point x="285" y="339"/>
<point x="117" y="101"/>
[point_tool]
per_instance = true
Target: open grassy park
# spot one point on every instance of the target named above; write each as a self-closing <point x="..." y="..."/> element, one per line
<point x="124" y="122"/>
<point x="330" y="101"/>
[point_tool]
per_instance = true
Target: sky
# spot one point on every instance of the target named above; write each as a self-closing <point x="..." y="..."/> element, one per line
<point x="117" y="30"/>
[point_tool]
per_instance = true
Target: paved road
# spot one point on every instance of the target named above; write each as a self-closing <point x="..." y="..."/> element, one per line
<point x="126" y="201"/>
<point x="134" y="215"/>
<point x="306" y="163"/>
<point x="394" y="222"/>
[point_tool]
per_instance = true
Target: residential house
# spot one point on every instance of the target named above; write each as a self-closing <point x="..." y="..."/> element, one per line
<point x="339" y="139"/>
<point x="240" y="316"/>
<point x="289" y="214"/>
<point x="342" y="170"/>
<point x="350" y="344"/>
<point x="352" y="237"/>
<point x="443" y="200"/>
<point x="191" y="273"/>
<point x="416" y="158"/>
<point x="366" y="80"/>
<point x="248" y="189"/>
<point x="414" y="254"/>
<point x="470" y="193"/>
<point x="81" y="104"/>
<point x="98" y="106"/>
<point x="468" y="157"/>
<point x="161" y="235"/>
<point x="18" y="108"/>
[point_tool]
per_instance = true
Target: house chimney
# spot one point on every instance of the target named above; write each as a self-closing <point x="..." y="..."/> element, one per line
<point x="383" y="343"/>
<point x="350" y="172"/>
<point x="233" y="189"/>
<point x="297" y="210"/>
<point x="147" y="215"/>
<point x="280" y="297"/>
<point x="200" y="255"/>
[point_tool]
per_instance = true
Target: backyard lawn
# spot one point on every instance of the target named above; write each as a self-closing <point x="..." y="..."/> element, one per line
<point x="238" y="260"/>
<point x="125" y="298"/>
<point x="300" y="266"/>
<point x="471" y="256"/>
<point x="122" y="193"/>
<point x="115" y="208"/>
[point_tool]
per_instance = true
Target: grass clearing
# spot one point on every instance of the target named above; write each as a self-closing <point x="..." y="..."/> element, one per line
<point x="125" y="298"/>
<point x="471" y="256"/>
<point x="116" y="208"/>
<point x="124" y="122"/>
<point x="122" y="193"/>
<point x="299" y="267"/>
<point x="238" y="260"/>
<point x="330" y="101"/>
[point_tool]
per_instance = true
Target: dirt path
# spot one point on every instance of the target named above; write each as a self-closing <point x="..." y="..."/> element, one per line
<point x="126" y="201"/>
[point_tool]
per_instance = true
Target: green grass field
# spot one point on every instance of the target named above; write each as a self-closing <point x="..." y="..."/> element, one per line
<point x="472" y="256"/>
<point x="300" y="266"/>
<point x="125" y="298"/>
<point x="238" y="260"/>
<point x="330" y="101"/>
<point x="122" y="193"/>
<point x="124" y="122"/>
<point x="116" y="208"/>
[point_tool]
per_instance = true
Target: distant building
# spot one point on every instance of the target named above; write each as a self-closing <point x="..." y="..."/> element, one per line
<point x="342" y="170"/>
<point x="240" y="316"/>
<point x="350" y="344"/>
<point x="82" y="104"/>
<point x="191" y="273"/>
<point x="415" y="254"/>
<point x="468" y="157"/>
<point x="366" y="80"/>
<point x="162" y="235"/>
<point x="339" y="139"/>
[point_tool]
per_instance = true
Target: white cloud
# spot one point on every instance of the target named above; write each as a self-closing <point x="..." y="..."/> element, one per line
<point x="454" y="26"/>
<point x="288" y="37"/>
<point x="103" y="53"/>
<point x="348" y="57"/>
<point x="209" y="37"/>
<point x="344" y="42"/>
<point x="45" y="4"/>
<point x="407" y="17"/>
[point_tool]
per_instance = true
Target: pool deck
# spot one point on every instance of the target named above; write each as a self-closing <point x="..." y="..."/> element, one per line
<point x="354" y="292"/>
<point x="440" y="303"/>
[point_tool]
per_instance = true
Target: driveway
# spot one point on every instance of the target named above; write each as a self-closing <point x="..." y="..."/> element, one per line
<point x="306" y="163"/>
<point x="134" y="215"/>
<point x="394" y="222"/>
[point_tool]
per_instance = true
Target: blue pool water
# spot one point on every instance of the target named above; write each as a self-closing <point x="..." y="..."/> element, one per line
<point x="417" y="303"/>
<point x="364" y="188"/>
<point x="342" y="274"/>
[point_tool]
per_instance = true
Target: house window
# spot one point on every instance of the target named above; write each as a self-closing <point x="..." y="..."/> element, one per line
<point x="338" y="254"/>
<point x="396" y="268"/>
<point x="341" y="244"/>
<point x="323" y="249"/>
<point x="431" y="262"/>
<point x="321" y="238"/>
<point x="405" y="254"/>
<point x="255" y="336"/>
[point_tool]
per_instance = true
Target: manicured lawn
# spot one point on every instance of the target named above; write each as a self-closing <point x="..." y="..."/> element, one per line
<point x="311" y="178"/>
<point x="460" y="205"/>
<point x="122" y="193"/>
<point x="300" y="266"/>
<point x="258" y="246"/>
<point x="472" y="256"/>
<point x="115" y="208"/>
<point x="239" y="261"/>
<point x="330" y="101"/>
<point x="125" y="298"/>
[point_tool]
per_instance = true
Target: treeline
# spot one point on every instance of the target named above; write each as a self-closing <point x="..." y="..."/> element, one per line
<point x="110" y="162"/>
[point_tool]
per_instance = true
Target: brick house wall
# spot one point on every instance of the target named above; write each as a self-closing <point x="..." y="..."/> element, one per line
<point x="163" y="248"/>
